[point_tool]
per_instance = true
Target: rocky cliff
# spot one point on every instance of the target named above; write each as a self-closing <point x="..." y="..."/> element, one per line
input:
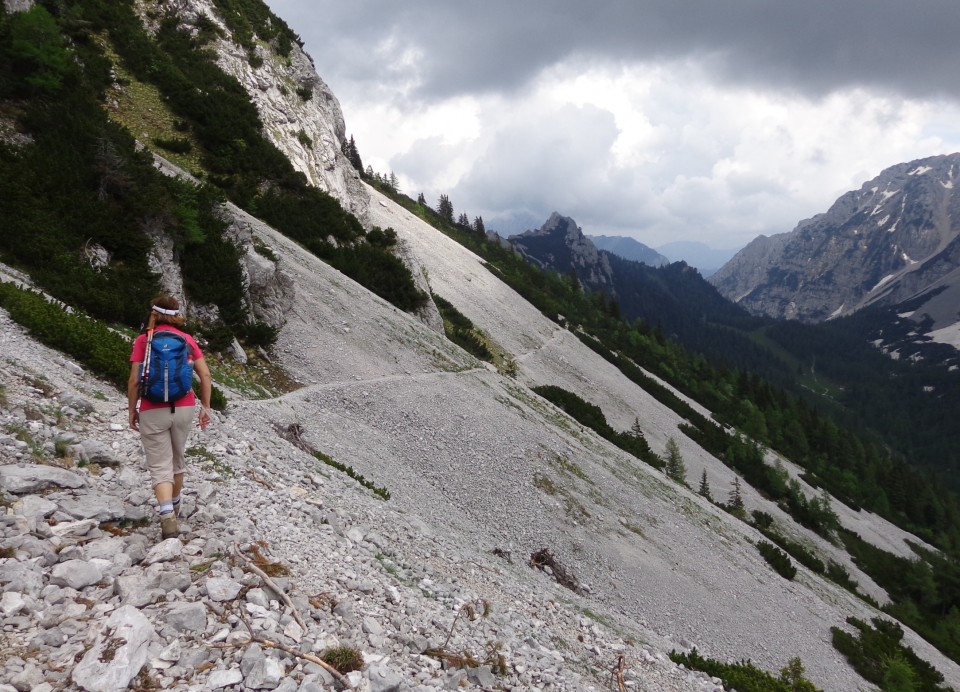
<point x="300" y="114"/>
<point x="893" y="239"/>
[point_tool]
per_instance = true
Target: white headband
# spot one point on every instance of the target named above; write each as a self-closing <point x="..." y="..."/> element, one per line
<point x="164" y="311"/>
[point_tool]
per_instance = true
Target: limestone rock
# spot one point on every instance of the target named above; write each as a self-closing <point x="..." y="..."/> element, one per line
<point x="118" y="653"/>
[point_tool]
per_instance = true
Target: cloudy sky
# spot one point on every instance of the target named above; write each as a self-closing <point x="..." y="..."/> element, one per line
<point x="658" y="119"/>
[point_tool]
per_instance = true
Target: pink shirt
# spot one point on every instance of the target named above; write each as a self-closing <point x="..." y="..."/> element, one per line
<point x="140" y="351"/>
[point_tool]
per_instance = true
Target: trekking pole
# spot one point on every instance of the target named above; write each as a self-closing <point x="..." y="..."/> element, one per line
<point x="145" y="372"/>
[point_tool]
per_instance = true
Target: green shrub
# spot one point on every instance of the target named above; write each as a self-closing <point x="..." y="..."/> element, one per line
<point x="878" y="655"/>
<point x="177" y="145"/>
<point x="777" y="559"/>
<point x="382" y="493"/>
<point x="746" y="677"/>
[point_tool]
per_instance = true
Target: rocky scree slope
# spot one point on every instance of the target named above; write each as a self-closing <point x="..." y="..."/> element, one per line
<point x="896" y="238"/>
<point x="466" y="454"/>
<point x="89" y="605"/>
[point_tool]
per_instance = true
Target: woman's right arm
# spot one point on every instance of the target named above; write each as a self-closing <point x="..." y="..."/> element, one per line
<point x="133" y="394"/>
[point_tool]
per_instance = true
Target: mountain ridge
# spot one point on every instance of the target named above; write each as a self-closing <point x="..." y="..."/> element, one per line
<point x="893" y="240"/>
<point x="479" y="459"/>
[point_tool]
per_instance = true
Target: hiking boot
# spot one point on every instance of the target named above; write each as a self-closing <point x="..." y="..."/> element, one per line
<point x="168" y="526"/>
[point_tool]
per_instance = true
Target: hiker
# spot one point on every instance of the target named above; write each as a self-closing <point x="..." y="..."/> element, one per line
<point x="167" y="402"/>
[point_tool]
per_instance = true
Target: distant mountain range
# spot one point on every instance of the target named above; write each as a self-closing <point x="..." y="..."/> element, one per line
<point x="893" y="242"/>
<point x="701" y="256"/>
<point x="630" y="249"/>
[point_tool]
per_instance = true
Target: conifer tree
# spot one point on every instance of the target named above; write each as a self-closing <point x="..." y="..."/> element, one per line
<point x="353" y="155"/>
<point x="478" y="226"/>
<point x="704" y="489"/>
<point x="675" y="468"/>
<point x="736" y="499"/>
<point x="421" y="200"/>
<point x="463" y="220"/>
<point x="445" y="208"/>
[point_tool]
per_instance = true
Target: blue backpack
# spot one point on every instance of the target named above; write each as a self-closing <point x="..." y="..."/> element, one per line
<point x="170" y="375"/>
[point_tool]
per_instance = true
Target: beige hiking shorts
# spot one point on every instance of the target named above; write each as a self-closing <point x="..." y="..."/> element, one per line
<point x="164" y="437"/>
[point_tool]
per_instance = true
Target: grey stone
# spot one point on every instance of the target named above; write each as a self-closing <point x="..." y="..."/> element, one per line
<point x="35" y="506"/>
<point x="164" y="551"/>
<point x="136" y="591"/>
<point x="319" y="681"/>
<point x="97" y="452"/>
<point x="32" y="478"/>
<point x="265" y="674"/>
<point x="382" y="679"/>
<point x="482" y="676"/>
<point x="94" y="506"/>
<point x="126" y="636"/>
<point x="74" y="529"/>
<point x="173" y="581"/>
<point x="258" y="597"/>
<point x="28" y="679"/>
<point x="104" y="548"/>
<point x="186" y="617"/>
<point x="252" y="655"/>
<point x="219" y="589"/>
<point x="77" y="574"/>
<point x="223" y="678"/>
<point x="11" y="603"/>
<point x="77" y="402"/>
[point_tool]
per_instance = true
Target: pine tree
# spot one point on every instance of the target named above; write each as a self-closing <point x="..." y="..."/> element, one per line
<point x="421" y="200"/>
<point x="394" y="182"/>
<point x="675" y="468"/>
<point x="736" y="499"/>
<point x="704" y="489"/>
<point x="445" y="208"/>
<point x="478" y="226"/>
<point x="463" y="220"/>
<point x="353" y="155"/>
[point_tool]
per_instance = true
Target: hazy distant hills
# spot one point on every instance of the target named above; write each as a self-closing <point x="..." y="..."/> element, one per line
<point x="701" y="256"/>
<point x="630" y="249"/>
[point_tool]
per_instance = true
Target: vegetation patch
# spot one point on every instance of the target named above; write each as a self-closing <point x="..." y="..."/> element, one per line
<point x="877" y="653"/>
<point x="379" y="491"/>
<point x="460" y="330"/>
<point x="746" y="677"/>
<point x="777" y="559"/>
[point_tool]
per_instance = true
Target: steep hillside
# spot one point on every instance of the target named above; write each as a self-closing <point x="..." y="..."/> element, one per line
<point x="398" y="478"/>
<point x="894" y="239"/>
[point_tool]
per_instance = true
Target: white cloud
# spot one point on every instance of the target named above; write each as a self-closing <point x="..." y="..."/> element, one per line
<point x="656" y="151"/>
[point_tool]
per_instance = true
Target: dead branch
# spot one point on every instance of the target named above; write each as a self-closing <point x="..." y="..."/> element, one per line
<point x="273" y="585"/>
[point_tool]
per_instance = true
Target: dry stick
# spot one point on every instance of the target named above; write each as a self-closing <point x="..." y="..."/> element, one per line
<point x="618" y="674"/>
<point x="269" y="582"/>
<point x="293" y="652"/>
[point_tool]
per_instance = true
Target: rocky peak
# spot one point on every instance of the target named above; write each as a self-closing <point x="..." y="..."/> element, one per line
<point x="874" y="245"/>
<point x="560" y="245"/>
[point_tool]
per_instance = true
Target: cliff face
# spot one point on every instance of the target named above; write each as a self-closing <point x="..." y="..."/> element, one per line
<point x="309" y="131"/>
<point x="894" y="238"/>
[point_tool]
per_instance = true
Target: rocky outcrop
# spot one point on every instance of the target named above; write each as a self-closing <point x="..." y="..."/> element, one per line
<point x="560" y="245"/>
<point x="894" y="238"/>
<point x="300" y="114"/>
<point x="17" y="5"/>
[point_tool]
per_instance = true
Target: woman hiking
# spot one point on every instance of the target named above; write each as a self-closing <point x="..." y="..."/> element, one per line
<point x="162" y="364"/>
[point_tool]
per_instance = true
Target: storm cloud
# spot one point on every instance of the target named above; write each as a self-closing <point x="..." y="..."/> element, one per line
<point x="660" y="120"/>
